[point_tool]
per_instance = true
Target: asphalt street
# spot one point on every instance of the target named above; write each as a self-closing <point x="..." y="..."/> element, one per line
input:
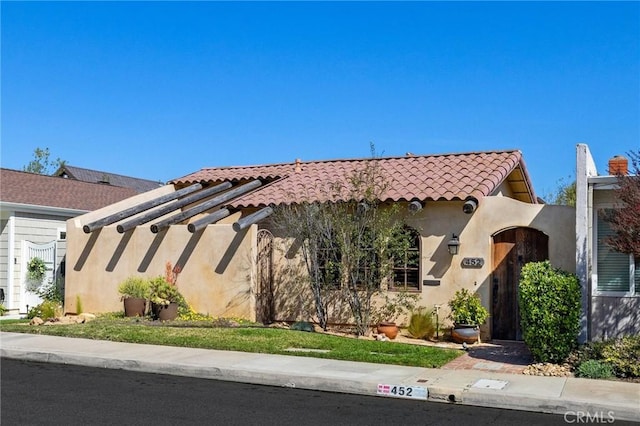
<point x="46" y="393"/>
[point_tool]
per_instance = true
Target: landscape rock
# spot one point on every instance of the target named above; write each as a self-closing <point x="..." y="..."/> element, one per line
<point x="382" y="338"/>
<point x="86" y="317"/>
<point x="548" y="369"/>
<point x="36" y="321"/>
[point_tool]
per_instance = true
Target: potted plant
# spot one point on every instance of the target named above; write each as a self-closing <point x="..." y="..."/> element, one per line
<point x="391" y="308"/>
<point x="134" y="292"/>
<point x="165" y="299"/>
<point x="467" y="314"/>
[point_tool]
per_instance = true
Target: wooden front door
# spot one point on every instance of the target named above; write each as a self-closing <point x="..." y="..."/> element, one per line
<point x="512" y="249"/>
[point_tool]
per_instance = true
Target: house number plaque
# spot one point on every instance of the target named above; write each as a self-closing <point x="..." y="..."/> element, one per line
<point x="472" y="262"/>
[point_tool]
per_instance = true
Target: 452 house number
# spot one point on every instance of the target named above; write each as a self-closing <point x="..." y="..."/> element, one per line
<point x="401" y="391"/>
<point x="472" y="262"/>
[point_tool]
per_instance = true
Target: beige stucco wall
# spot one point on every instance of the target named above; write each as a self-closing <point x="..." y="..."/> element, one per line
<point x="436" y="223"/>
<point x="216" y="275"/>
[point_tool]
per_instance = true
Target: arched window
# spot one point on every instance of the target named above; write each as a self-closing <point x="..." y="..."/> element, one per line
<point x="406" y="267"/>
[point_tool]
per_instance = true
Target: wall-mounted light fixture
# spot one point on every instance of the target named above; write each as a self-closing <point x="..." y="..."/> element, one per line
<point x="415" y="206"/>
<point x="470" y="205"/>
<point x="453" y="245"/>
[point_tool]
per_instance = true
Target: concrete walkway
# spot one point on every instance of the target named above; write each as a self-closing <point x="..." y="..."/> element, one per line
<point x="566" y="396"/>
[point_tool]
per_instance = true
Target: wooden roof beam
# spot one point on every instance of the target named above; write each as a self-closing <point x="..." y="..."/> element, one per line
<point x="124" y="227"/>
<point x="116" y="217"/>
<point x="252" y="218"/>
<point x="229" y="195"/>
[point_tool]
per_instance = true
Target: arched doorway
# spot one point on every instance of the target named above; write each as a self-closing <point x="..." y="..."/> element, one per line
<point x="512" y="249"/>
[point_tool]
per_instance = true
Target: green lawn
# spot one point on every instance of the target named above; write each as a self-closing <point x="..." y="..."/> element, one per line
<point x="245" y="339"/>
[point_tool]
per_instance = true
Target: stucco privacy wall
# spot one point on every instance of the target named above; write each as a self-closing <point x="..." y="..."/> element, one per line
<point x="216" y="263"/>
<point x="442" y="274"/>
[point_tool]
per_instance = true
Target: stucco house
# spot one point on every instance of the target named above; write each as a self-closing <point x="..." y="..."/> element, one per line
<point x="213" y="227"/>
<point x="34" y="210"/>
<point x="610" y="280"/>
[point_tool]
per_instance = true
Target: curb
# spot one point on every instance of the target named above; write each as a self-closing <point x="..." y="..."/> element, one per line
<point x="441" y="394"/>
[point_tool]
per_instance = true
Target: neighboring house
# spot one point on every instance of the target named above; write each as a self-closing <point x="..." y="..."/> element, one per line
<point x="34" y="210"/>
<point x="95" y="176"/>
<point x="229" y="265"/>
<point x="610" y="280"/>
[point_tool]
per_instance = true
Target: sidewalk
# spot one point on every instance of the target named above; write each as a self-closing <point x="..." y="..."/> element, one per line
<point x="557" y="395"/>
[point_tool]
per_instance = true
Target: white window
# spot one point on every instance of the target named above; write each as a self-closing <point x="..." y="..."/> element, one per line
<point x="615" y="273"/>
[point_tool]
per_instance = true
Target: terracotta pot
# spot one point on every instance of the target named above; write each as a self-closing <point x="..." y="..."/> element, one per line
<point x="466" y="333"/>
<point x="389" y="329"/>
<point x="165" y="312"/>
<point x="135" y="306"/>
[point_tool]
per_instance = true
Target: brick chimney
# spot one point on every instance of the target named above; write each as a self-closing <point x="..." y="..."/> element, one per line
<point x="618" y="165"/>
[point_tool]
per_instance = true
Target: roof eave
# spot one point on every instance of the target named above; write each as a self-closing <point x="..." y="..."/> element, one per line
<point x="34" y="208"/>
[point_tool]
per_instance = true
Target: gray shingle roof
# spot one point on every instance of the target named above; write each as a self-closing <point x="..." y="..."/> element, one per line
<point x="96" y="176"/>
<point x="52" y="191"/>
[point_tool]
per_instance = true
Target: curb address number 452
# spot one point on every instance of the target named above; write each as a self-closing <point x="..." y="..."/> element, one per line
<point x="401" y="391"/>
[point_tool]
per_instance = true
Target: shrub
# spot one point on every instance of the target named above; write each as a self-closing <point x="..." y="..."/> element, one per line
<point x="46" y="310"/>
<point x="3" y="310"/>
<point x="550" y="311"/>
<point x="586" y="352"/>
<point x="421" y="324"/>
<point x="623" y="355"/>
<point x="163" y="292"/>
<point x="134" y="287"/>
<point x="594" y="369"/>
<point x="50" y="291"/>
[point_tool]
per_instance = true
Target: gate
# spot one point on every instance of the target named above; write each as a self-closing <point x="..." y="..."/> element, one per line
<point x="264" y="265"/>
<point x="28" y="288"/>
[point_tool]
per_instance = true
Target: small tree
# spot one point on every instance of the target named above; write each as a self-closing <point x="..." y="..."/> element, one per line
<point x="41" y="164"/>
<point x="550" y="311"/>
<point x="310" y="224"/>
<point x="624" y="219"/>
<point x="348" y="242"/>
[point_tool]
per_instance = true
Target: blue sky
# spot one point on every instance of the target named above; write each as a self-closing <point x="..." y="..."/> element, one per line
<point x="161" y="89"/>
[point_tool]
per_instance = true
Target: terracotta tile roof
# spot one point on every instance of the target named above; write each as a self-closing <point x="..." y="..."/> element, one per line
<point x="96" y="176"/>
<point x="420" y="177"/>
<point x="52" y="191"/>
